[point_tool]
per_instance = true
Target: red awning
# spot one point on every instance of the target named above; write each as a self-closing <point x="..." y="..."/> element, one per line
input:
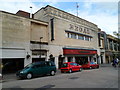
<point x="79" y="52"/>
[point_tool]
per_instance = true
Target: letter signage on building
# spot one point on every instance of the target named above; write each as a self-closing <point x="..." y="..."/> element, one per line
<point x="79" y="29"/>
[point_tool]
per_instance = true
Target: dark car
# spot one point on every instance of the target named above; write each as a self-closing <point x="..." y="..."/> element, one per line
<point x="90" y="65"/>
<point x="70" y="67"/>
<point x="37" y="69"/>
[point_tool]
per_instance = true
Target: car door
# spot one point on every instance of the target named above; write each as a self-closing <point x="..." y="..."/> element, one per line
<point x="43" y="68"/>
<point x="36" y="69"/>
<point x="46" y="67"/>
<point x="76" y="68"/>
<point x="93" y="65"/>
<point x="73" y="66"/>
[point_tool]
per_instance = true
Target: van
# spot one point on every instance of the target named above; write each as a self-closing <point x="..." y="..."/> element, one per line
<point x="37" y="69"/>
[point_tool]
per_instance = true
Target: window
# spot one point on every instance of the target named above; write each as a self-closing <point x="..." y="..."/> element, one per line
<point x="90" y="39"/>
<point x="87" y="38"/>
<point x="65" y="65"/>
<point x="71" y="63"/>
<point x="81" y="37"/>
<point x="75" y="64"/>
<point x="73" y="35"/>
<point x="68" y="35"/>
<point x="78" y="36"/>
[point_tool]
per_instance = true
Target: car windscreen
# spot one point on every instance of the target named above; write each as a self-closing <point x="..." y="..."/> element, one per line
<point x="28" y="66"/>
<point x="92" y="63"/>
<point x="64" y="65"/>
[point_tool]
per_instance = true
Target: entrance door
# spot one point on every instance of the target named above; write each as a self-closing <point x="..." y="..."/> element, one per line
<point x="101" y="59"/>
<point x="60" y="61"/>
<point x="69" y="59"/>
<point x="81" y="60"/>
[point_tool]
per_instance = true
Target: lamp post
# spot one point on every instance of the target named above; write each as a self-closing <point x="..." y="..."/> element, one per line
<point x="40" y="46"/>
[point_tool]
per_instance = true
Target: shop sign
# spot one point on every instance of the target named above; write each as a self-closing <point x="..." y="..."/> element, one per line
<point x="79" y="29"/>
<point x="79" y="52"/>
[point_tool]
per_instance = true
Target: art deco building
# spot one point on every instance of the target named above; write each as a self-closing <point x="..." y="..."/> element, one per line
<point x="70" y="38"/>
<point x="51" y="34"/>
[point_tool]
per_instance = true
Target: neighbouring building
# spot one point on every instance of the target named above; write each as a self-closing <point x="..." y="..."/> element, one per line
<point x="19" y="35"/>
<point x="112" y="49"/>
<point x="102" y="41"/>
<point x="70" y="37"/>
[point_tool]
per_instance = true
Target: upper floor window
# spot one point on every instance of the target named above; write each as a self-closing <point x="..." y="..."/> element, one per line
<point x="78" y="36"/>
<point x="87" y="38"/>
<point x="73" y="35"/>
<point x="81" y="37"/>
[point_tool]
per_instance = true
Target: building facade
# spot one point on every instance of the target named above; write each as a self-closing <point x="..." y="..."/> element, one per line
<point x="70" y="37"/>
<point x="102" y="44"/>
<point x="112" y="49"/>
<point x="51" y="34"/>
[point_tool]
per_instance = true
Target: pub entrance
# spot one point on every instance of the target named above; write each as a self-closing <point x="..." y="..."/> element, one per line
<point x="60" y="61"/>
<point x="81" y="60"/>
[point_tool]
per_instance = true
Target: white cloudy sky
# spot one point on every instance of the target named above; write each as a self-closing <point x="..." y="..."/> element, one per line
<point x="103" y="13"/>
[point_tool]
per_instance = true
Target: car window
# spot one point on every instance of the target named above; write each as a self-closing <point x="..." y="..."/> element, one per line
<point x="75" y="64"/>
<point x="42" y="64"/>
<point x="71" y="63"/>
<point x="48" y="64"/>
<point x="52" y="63"/>
<point x="64" y="65"/>
<point x="36" y="66"/>
<point x="92" y="63"/>
<point x="29" y="65"/>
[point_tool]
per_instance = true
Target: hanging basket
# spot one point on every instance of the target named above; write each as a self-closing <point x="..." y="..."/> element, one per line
<point x="28" y="56"/>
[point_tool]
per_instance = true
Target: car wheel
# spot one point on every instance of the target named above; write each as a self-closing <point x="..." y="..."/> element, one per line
<point x="80" y="69"/>
<point x="90" y="67"/>
<point x="29" y="76"/>
<point x="70" y="71"/>
<point x="52" y="73"/>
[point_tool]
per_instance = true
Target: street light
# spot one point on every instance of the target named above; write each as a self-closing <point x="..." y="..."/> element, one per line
<point x="40" y="46"/>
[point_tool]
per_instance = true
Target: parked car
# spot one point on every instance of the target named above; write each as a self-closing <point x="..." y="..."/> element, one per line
<point x="70" y="67"/>
<point x="90" y="65"/>
<point x="37" y="69"/>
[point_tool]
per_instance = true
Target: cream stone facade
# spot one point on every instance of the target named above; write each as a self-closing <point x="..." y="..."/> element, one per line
<point x="51" y="35"/>
<point x="68" y="31"/>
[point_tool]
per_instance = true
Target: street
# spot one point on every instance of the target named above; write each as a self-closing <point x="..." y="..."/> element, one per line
<point x="104" y="77"/>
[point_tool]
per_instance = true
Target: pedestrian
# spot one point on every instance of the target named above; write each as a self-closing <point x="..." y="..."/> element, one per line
<point x="114" y="63"/>
<point x="117" y="60"/>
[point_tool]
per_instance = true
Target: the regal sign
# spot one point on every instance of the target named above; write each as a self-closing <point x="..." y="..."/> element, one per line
<point x="79" y="29"/>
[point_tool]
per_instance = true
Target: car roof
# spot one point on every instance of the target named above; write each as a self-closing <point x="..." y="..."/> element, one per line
<point x="69" y="62"/>
<point x="34" y="63"/>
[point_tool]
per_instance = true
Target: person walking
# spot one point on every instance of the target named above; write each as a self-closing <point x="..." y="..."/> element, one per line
<point x="114" y="63"/>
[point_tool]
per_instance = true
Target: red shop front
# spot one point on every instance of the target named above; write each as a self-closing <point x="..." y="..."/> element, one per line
<point x="80" y="56"/>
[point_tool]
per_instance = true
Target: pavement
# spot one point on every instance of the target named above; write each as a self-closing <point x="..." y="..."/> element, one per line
<point x="12" y="76"/>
